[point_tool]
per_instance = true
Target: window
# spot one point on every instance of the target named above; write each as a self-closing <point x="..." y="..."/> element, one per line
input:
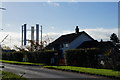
<point x="66" y="45"/>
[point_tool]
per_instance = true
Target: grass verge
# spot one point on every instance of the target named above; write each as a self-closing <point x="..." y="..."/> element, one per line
<point x="24" y="63"/>
<point x="102" y="72"/>
<point x="10" y="76"/>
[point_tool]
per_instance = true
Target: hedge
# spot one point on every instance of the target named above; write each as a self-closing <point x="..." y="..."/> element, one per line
<point x="82" y="57"/>
<point x="34" y="57"/>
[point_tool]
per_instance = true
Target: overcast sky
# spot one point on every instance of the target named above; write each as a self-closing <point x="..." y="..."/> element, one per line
<point x="98" y="19"/>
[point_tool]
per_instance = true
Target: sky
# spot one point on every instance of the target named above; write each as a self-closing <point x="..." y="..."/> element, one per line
<point x="98" y="19"/>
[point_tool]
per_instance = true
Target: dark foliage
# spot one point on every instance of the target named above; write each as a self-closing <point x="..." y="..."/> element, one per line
<point x="34" y="57"/>
<point x="82" y="57"/>
<point x="114" y="38"/>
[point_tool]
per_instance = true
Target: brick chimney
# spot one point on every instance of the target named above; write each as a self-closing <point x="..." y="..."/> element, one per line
<point x="76" y="30"/>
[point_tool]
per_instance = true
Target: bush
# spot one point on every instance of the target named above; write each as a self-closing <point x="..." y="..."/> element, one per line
<point x="34" y="57"/>
<point x="82" y="57"/>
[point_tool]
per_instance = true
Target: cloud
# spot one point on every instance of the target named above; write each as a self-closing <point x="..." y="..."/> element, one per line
<point x="101" y="33"/>
<point x="98" y="33"/>
<point x="53" y="3"/>
<point x="8" y="25"/>
<point x="51" y="35"/>
<point x="119" y="32"/>
<point x="60" y="0"/>
<point x="52" y="27"/>
<point x="72" y="0"/>
<point x="14" y="38"/>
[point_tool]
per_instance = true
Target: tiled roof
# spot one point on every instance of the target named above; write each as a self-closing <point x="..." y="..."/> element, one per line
<point x="89" y="44"/>
<point x="69" y="38"/>
<point x="96" y="44"/>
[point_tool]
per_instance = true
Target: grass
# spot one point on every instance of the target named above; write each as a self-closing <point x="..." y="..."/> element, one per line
<point x="24" y="63"/>
<point x="10" y="76"/>
<point x="103" y="72"/>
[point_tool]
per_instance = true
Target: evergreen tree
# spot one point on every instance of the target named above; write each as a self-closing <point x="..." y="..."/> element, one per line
<point x="114" y="38"/>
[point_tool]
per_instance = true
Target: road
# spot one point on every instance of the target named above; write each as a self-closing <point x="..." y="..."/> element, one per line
<point x="38" y="72"/>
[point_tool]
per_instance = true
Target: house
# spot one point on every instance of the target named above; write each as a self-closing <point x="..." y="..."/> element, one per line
<point x="70" y="41"/>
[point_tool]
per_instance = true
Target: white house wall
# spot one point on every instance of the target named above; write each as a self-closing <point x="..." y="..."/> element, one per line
<point x="79" y="40"/>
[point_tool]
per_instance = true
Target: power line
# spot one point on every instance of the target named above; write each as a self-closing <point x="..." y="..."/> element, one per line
<point x="4" y="38"/>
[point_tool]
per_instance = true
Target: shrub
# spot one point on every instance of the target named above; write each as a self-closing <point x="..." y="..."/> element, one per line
<point x="82" y="57"/>
<point x="34" y="57"/>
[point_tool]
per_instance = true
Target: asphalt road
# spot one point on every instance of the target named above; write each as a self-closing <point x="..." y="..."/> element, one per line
<point x="37" y="72"/>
